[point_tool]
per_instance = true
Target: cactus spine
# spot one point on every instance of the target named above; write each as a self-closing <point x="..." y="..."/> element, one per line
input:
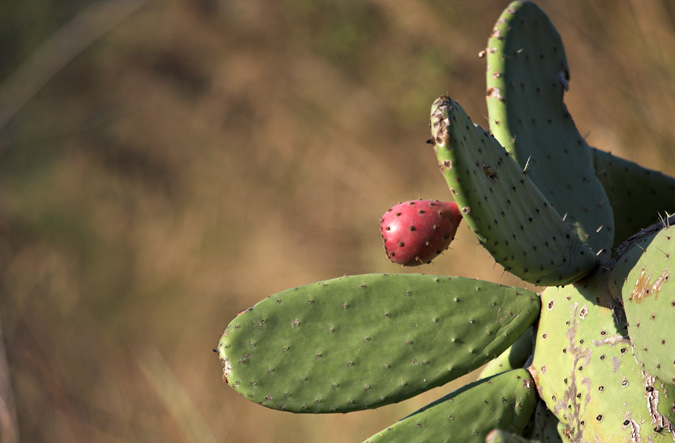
<point x="591" y="358"/>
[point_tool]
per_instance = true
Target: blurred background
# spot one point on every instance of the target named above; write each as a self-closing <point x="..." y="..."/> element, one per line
<point x="165" y="164"/>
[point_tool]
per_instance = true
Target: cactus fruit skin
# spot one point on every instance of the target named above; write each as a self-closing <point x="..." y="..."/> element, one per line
<point x="505" y="401"/>
<point x="586" y="372"/>
<point x="513" y="358"/>
<point x="416" y="232"/>
<point x="506" y="211"/>
<point x="639" y="196"/>
<point x="364" y="341"/>
<point x="649" y="301"/>
<point x="526" y="78"/>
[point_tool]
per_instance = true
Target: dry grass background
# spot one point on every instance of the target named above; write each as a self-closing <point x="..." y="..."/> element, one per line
<point x="205" y="154"/>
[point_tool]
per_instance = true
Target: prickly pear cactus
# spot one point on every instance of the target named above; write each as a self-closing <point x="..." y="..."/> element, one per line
<point x="591" y="358"/>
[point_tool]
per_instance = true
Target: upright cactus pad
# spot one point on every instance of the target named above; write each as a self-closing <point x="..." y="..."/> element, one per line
<point x="505" y="401"/>
<point x="639" y="196"/>
<point x="506" y="211"/>
<point x="365" y="341"/>
<point x="526" y="77"/>
<point x="649" y="300"/>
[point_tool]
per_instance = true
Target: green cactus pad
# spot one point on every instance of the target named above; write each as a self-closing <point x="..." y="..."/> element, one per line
<point x="505" y="401"/>
<point x="506" y="211"/>
<point x="365" y="341"/>
<point x="526" y="78"/>
<point x="547" y="427"/>
<point x="586" y="372"/>
<point x="628" y="253"/>
<point x="513" y="358"/>
<point x="643" y="274"/>
<point x="639" y="196"/>
<point x="500" y="436"/>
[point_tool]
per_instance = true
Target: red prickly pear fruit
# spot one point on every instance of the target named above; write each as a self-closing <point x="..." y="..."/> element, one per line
<point x="416" y="232"/>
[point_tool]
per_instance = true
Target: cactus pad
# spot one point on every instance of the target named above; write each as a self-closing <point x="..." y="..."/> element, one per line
<point x="586" y="372"/>
<point x="547" y="427"/>
<point x="501" y="436"/>
<point x="505" y="401"/>
<point x="526" y="77"/>
<point x="513" y="358"/>
<point x="506" y="211"/>
<point x="639" y="196"/>
<point x="364" y="341"/>
<point x="649" y="301"/>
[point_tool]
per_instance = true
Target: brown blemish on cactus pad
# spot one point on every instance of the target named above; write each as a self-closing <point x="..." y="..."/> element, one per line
<point x="652" y="396"/>
<point x="581" y="357"/>
<point x="440" y="122"/>
<point x="227" y="368"/>
<point x="447" y="164"/>
<point x="643" y="289"/>
<point x="490" y="173"/>
<point x="494" y="93"/>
